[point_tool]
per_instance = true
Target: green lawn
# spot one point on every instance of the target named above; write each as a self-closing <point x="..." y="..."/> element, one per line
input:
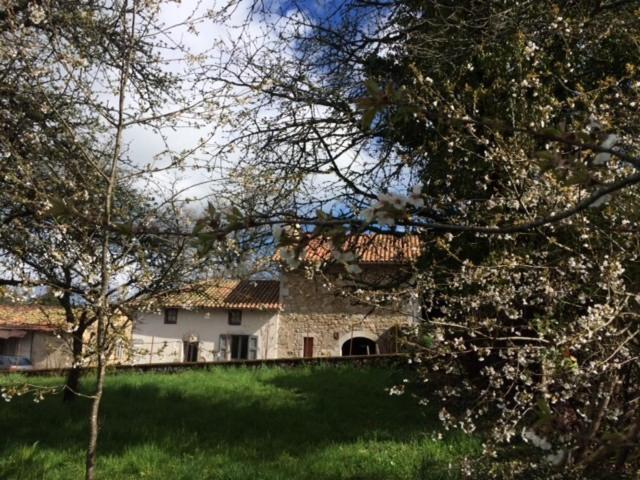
<point x="234" y="424"/>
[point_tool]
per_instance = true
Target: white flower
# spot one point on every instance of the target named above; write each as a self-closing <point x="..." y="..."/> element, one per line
<point x="600" y="201"/>
<point x="536" y="440"/>
<point x="530" y="48"/>
<point x="603" y="157"/>
<point x="343" y="257"/>
<point x="290" y="257"/>
<point x="276" y="231"/>
<point x="385" y="198"/>
<point x="396" y="390"/>
<point x="386" y="220"/>
<point x="368" y="214"/>
<point x="396" y="201"/>
<point x="555" y="458"/>
<point x="415" y="198"/>
<point x="352" y="268"/>
<point x="443" y="415"/>
<point x="36" y="13"/>
<point x="399" y="201"/>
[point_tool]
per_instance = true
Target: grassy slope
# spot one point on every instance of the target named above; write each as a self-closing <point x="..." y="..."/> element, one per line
<point x="304" y="423"/>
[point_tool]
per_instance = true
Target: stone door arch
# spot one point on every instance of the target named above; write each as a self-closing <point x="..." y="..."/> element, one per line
<point x="358" y="343"/>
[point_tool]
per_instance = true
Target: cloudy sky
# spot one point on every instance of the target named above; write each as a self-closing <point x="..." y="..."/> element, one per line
<point x="210" y="38"/>
<point x="144" y="144"/>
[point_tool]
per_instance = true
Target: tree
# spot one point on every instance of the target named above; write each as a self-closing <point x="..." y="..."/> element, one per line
<point x="504" y="134"/>
<point x="40" y="249"/>
<point x="76" y="75"/>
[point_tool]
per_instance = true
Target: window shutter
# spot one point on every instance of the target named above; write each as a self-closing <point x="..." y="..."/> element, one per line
<point x="223" y="347"/>
<point x="253" y="347"/>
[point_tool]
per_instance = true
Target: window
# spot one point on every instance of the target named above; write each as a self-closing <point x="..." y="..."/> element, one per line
<point x="171" y="316"/>
<point x="9" y="346"/>
<point x="238" y="347"/>
<point x="235" y="317"/>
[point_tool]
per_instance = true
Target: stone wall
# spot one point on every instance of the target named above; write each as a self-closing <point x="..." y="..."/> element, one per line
<point x="311" y="309"/>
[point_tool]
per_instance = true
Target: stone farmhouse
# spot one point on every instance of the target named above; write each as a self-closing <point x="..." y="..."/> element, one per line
<point x="298" y="315"/>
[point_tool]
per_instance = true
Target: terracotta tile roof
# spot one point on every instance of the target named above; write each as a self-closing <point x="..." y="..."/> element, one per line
<point x="372" y="249"/>
<point x="229" y="294"/>
<point x="31" y="317"/>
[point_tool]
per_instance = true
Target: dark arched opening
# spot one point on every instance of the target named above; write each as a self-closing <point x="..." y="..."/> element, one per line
<point x="358" y="346"/>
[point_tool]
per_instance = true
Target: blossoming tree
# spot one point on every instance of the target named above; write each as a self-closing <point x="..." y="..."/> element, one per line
<point x="505" y="134"/>
<point x="77" y="216"/>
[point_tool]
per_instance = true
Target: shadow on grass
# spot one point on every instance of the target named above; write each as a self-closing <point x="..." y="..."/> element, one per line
<point x="281" y="411"/>
<point x="252" y="415"/>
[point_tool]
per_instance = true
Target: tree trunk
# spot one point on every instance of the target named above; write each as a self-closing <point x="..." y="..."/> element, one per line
<point x="104" y="310"/>
<point x="73" y="377"/>
<point x="94" y="422"/>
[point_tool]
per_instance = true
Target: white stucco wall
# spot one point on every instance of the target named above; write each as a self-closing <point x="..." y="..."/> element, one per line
<point x="155" y="342"/>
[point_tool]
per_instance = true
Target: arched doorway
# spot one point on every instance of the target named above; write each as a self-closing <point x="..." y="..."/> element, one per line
<point x="358" y="346"/>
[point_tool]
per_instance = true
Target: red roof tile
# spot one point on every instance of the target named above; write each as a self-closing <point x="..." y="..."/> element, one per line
<point x="31" y="317"/>
<point x="376" y="248"/>
<point x="228" y="294"/>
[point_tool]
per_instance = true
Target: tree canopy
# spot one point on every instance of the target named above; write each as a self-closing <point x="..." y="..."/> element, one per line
<point x="505" y="135"/>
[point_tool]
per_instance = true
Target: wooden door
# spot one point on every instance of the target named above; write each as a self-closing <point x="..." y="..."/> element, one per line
<point x="308" y="347"/>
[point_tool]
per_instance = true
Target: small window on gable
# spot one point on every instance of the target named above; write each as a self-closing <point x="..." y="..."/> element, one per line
<point x="171" y="316"/>
<point x="235" y="317"/>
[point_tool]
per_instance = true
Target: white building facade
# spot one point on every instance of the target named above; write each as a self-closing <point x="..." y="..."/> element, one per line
<point x="204" y="335"/>
<point x="213" y="321"/>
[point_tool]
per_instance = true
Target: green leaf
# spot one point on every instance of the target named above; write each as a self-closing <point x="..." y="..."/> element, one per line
<point x="584" y="137"/>
<point x="365" y="103"/>
<point x="125" y="228"/>
<point x="546" y="155"/>
<point x="579" y="176"/>
<point x="199" y="226"/>
<point x="545" y="415"/>
<point x="551" y="132"/>
<point x="367" y="118"/>
<point x="372" y="86"/>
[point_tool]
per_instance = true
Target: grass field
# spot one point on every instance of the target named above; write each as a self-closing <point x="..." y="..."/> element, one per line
<point x="231" y="424"/>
